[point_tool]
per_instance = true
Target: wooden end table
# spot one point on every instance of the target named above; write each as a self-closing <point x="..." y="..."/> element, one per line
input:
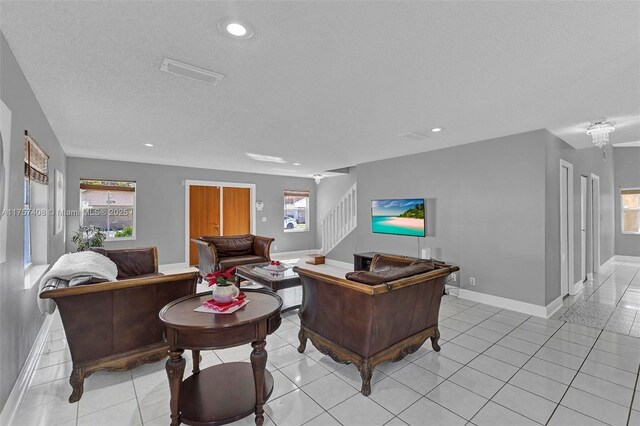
<point x="226" y="392"/>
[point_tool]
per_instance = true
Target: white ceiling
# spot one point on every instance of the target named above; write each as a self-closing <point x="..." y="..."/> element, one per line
<point x="326" y="84"/>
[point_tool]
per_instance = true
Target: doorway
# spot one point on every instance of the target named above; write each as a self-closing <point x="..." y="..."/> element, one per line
<point x="595" y="223"/>
<point x="566" y="227"/>
<point x="217" y="209"/>
<point x="204" y="215"/>
<point x="583" y="228"/>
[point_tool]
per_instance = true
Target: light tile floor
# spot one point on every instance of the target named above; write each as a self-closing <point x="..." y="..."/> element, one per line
<point x="611" y="301"/>
<point x="496" y="367"/>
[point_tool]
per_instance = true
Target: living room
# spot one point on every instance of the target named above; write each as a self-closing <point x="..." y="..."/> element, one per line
<point x="515" y="127"/>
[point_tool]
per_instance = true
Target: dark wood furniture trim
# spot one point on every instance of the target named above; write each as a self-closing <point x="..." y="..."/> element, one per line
<point x="117" y="362"/>
<point x="366" y="365"/>
<point x="116" y="285"/>
<point x="381" y="288"/>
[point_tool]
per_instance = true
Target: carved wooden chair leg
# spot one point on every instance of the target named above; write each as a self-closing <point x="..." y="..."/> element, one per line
<point x="77" y="383"/>
<point x="434" y="340"/>
<point x="302" y="337"/>
<point x="366" y="371"/>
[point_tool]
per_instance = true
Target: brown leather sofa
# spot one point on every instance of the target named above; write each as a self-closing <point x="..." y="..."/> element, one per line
<point x="225" y="252"/>
<point x="374" y="316"/>
<point x="115" y="326"/>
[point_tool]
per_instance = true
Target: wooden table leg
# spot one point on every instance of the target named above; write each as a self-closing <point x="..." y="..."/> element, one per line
<point x="258" y="364"/>
<point x="196" y="361"/>
<point x="175" y="371"/>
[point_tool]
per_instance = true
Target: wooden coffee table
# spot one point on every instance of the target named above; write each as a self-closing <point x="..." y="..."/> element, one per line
<point x="275" y="283"/>
<point x="227" y="392"/>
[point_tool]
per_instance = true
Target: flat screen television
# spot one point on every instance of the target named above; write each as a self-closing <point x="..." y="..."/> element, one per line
<point x="404" y="216"/>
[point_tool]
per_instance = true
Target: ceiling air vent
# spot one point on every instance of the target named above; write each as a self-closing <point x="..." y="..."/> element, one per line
<point x="413" y="135"/>
<point x="190" y="71"/>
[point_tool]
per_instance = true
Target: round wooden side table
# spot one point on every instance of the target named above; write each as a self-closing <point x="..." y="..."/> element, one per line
<point x="226" y="392"/>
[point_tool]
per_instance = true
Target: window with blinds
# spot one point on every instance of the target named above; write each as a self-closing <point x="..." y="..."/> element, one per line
<point x="296" y="211"/>
<point x="630" y="199"/>
<point x="35" y="161"/>
<point x="36" y="171"/>
<point x="109" y="205"/>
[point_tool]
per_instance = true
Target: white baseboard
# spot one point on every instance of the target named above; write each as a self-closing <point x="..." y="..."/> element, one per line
<point x="589" y="276"/>
<point x="452" y="290"/>
<point x="24" y="378"/>
<point x="553" y="307"/>
<point x="340" y="264"/>
<point x="576" y="288"/>
<point x="513" y="305"/>
<point x="610" y="260"/>
<point x="621" y="258"/>
<point x="289" y="254"/>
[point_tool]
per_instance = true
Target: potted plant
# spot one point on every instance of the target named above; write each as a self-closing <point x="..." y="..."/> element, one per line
<point x="88" y="236"/>
<point x="224" y="291"/>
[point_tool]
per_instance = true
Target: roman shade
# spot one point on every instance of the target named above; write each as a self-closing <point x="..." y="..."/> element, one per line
<point x="35" y="161"/>
<point x="634" y="191"/>
<point x="293" y="193"/>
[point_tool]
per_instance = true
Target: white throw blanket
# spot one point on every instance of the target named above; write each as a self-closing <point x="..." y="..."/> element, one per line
<point x="73" y="265"/>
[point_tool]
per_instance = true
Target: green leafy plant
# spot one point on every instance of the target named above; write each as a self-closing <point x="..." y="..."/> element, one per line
<point x="127" y="231"/>
<point x="88" y="236"/>
<point x="416" y="213"/>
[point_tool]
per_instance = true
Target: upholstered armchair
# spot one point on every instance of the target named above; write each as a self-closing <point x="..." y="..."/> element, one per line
<point x="225" y="252"/>
<point x="115" y="326"/>
<point x="374" y="316"/>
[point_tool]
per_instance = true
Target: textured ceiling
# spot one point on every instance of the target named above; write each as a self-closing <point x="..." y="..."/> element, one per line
<point x="326" y="84"/>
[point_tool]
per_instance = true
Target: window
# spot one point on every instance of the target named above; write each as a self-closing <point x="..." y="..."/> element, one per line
<point x="109" y="205"/>
<point x="35" y="201"/>
<point x="26" y="234"/>
<point x="296" y="211"/>
<point x="630" y="199"/>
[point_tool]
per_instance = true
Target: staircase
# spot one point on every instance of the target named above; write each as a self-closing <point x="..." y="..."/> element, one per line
<point x="340" y="220"/>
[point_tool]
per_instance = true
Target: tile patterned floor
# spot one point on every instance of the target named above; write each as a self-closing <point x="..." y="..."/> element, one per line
<point x="611" y="301"/>
<point x="496" y="367"/>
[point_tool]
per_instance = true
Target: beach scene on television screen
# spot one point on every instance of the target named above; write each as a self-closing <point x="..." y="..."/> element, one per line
<point x="399" y="217"/>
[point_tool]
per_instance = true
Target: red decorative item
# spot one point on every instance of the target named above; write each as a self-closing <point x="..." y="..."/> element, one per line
<point x="221" y="307"/>
<point x="220" y="277"/>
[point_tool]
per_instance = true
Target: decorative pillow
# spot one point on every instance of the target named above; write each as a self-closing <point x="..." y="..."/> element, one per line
<point x="420" y="266"/>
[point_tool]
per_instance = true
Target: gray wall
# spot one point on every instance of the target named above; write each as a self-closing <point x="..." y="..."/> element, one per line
<point x="627" y="175"/>
<point x="20" y="319"/>
<point x="485" y="211"/>
<point x="160" y="203"/>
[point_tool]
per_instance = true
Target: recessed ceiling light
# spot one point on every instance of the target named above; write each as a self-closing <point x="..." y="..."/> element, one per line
<point x="148" y="144"/>
<point x="236" y="28"/>
<point x="297" y="164"/>
<point x="437" y="129"/>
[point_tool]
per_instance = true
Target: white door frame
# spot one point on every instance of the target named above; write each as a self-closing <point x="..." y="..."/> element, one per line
<point x="568" y="235"/>
<point x="594" y="188"/>
<point x="584" y="196"/>
<point x="187" y="186"/>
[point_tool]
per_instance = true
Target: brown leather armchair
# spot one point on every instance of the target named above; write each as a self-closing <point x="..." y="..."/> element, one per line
<point x="115" y="326"/>
<point x="374" y="316"/>
<point x="225" y="252"/>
